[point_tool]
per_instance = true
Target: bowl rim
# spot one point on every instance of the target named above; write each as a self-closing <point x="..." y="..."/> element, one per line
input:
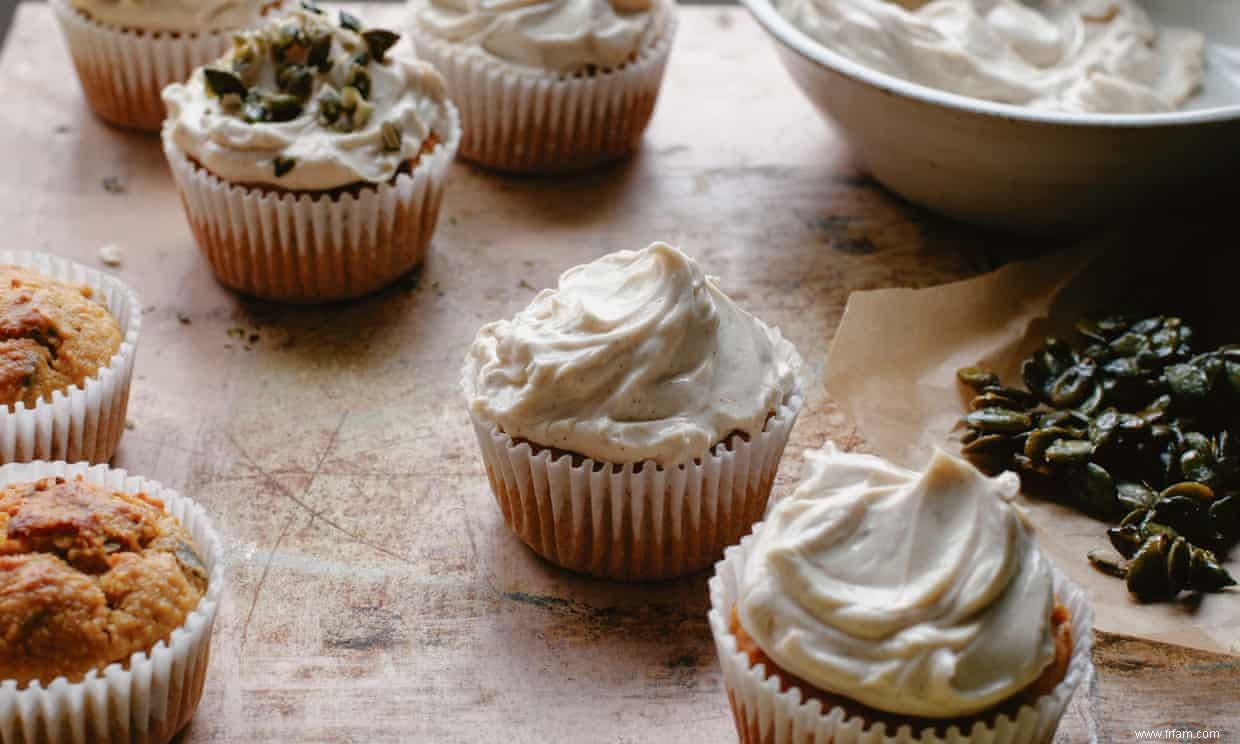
<point x="793" y="38"/>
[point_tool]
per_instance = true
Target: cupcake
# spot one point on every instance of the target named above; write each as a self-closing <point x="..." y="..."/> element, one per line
<point x="632" y="419"/>
<point x="67" y="340"/>
<point x="108" y="590"/>
<point x="311" y="158"/>
<point x="126" y="51"/>
<point x="549" y="85"/>
<point x="877" y="604"/>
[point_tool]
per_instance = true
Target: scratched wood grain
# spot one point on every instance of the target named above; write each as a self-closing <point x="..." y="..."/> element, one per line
<point x="375" y="595"/>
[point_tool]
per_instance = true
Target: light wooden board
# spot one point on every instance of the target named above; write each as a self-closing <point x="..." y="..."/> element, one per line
<point x="375" y="594"/>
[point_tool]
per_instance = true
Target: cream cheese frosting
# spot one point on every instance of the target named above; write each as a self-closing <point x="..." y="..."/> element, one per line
<point x="178" y="16"/>
<point x="920" y="594"/>
<point x="635" y="356"/>
<point x="560" y="36"/>
<point x="304" y="126"/>
<point x="1099" y="56"/>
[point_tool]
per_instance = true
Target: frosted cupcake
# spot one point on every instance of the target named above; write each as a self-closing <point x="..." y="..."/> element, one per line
<point x="109" y="586"/>
<point x="126" y="51"/>
<point x="549" y="85"/>
<point x="877" y="604"/>
<point x="311" y="158"/>
<point x="632" y="419"/>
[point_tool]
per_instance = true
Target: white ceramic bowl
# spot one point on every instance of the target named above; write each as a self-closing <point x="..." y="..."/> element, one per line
<point x="1018" y="168"/>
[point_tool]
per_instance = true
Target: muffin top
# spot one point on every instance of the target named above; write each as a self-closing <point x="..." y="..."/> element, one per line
<point x="52" y="336"/>
<point x="88" y="576"/>
<point x="559" y="36"/>
<point x="308" y="103"/>
<point x="635" y="356"/>
<point x="920" y="594"/>
<point x="175" y="16"/>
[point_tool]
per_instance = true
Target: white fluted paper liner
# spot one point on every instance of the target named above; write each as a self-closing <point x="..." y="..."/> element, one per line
<point x="84" y="422"/>
<point x="311" y="246"/>
<point x="638" y="521"/>
<point x="152" y="697"/>
<point x="764" y="714"/>
<point x="522" y="122"/>
<point x="122" y="71"/>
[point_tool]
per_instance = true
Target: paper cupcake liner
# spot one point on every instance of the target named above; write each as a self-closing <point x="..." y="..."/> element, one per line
<point x="123" y="71"/>
<point x="152" y="697"/>
<point x="83" y="422"/>
<point x="638" y="521"/>
<point x="522" y="122"/>
<point x="764" y="714"/>
<point x="309" y="246"/>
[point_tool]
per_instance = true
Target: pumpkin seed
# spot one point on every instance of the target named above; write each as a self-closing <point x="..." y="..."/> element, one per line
<point x="976" y="377"/>
<point x="350" y="22"/>
<point x="391" y="133"/>
<point x="283" y="165"/>
<point x="222" y="82"/>
<point x="999" y="420"/>
<point x="379" y="41"/>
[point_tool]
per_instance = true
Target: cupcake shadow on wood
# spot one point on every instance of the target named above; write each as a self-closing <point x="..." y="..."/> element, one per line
<point x="551" y="86"/>
<point x="67" y="359"/>
<point x="311" y="159"/>
<point x="119" y="650"/>
<point x="632" y="420"/>
<point x="126" y="52"/>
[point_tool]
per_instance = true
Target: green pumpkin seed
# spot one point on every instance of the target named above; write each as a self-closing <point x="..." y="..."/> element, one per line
<point x="1147" y="576"/>
<point x="379" y="41"/>
<point x="976" y="377"/>
<point x="1107" y="564"/>
<point x="1069" y="451"/>
<point x="999" y="421"/>
<point x="220" y="83"/>
<point x="282" y="166"/>
<point x="350" y="22"/>
<point x="392" y="136"/>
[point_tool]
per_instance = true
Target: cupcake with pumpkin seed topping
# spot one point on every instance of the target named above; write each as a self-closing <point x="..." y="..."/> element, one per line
<point x="311" y="158"/>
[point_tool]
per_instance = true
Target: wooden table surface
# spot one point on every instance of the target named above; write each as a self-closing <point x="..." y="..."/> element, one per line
<point x="375" y="594"/>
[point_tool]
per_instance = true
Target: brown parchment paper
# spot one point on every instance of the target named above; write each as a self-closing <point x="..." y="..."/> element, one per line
<point x="892" y="368"/>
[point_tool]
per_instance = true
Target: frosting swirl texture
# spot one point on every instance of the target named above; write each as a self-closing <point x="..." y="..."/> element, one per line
<point x="635" y="356"/>
<point x="307" y="119"/>
<point x="1100" y="56"/>
<point x="561" y="36"/>
<point x="919" y="594"/>
<point x="179" y="16"/>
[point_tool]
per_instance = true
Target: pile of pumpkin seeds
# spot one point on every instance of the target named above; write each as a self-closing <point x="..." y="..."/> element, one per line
<point x="301" y="49"/>
<point x="1135" y="428"/>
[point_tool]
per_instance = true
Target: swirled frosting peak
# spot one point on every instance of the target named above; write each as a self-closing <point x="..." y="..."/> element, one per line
<point x="920" y="594"/>
<point x="561" y="36"/>
<point x="305" y="103"/>
<point x="635" y="356"/>
<point x="178" y="16"/>
<point x="1099" y="56"/>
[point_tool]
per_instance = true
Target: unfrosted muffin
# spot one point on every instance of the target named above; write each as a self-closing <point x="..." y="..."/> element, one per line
<point x="632" y="419"/>
<point x="52" y="336"/>
<point x="126" y="51"/>
<point x="877" y="598"/>
<point x="311" y="158"/>
<point x="548" y="85"/>
<point x="88" y="577"/>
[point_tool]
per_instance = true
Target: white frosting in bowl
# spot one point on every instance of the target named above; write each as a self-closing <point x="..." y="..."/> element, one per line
<point x="405" y="97"/>
<point x="560" y="36"/>
<point x="1096" y="56"/>
<point x="636" y="356"/>
<point x="920" y="594"/>
<point x="177" y="16"/>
